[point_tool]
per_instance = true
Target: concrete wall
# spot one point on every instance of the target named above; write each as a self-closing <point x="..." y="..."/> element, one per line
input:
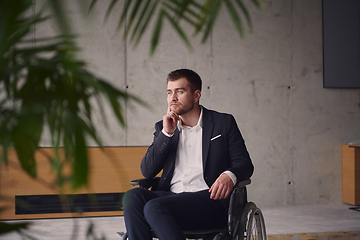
<point x="271" y="81"/>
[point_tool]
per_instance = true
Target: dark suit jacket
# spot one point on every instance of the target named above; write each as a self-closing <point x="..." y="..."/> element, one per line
<point x="227" y="152"/>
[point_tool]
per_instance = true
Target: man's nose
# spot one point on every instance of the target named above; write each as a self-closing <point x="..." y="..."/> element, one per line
<point x="173" y="96"/>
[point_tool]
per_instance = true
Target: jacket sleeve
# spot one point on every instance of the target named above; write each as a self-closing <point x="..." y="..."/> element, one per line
<point x="156" y="155"/>
<point x="241" y="164"/>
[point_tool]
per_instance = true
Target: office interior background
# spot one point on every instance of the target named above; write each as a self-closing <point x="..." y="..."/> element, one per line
<point x="271" y="81"/>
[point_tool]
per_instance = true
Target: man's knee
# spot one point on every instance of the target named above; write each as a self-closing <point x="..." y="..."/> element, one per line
<point x="152" y="211"/>
<point x="134" y="197"/>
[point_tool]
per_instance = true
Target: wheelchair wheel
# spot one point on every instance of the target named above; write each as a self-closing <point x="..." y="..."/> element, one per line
<point x="252" y="224"/>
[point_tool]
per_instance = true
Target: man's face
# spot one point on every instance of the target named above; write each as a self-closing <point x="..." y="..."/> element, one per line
<point x="181" y="99"/>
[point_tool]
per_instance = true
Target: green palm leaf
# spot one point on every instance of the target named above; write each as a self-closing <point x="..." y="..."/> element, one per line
<point x="55" y="92"/>
<point x="200" y="15"/>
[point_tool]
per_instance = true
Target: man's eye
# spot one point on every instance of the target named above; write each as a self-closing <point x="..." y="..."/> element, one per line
<point x="180" y="91"/>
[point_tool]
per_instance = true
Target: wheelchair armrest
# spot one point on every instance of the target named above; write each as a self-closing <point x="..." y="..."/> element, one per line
<point x="146" y="183"/>
<point x="238" y="200"/>
<point x="243" y="183"/>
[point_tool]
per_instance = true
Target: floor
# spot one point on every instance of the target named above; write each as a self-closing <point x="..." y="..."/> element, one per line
<point x="299" y="222"/>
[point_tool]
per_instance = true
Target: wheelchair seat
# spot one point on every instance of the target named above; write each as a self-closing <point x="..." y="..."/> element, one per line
<point x="245" y="219"/>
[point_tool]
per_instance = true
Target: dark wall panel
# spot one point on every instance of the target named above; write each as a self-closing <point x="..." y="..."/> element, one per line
<point x="341" y="21"/>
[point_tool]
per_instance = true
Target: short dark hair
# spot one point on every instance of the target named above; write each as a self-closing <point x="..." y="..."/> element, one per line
<point x="192" y="77"/>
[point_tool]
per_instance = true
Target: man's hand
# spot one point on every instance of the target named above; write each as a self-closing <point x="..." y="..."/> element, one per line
<point x="221" y="187"/>
<point x="170" y="122"/>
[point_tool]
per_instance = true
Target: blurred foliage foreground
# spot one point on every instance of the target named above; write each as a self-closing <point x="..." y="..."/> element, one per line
<point x="45" y="86"/>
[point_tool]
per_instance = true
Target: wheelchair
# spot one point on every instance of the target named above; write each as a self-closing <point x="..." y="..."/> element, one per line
<point x="245" y="219"/>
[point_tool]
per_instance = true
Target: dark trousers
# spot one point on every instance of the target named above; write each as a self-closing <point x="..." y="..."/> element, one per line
<point x="168" y="214"/>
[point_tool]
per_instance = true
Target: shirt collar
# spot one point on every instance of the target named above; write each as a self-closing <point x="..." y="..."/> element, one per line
<point x="197" y="127"/>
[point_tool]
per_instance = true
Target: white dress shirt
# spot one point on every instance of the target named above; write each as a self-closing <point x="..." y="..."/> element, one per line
<point x="188" y="173"/>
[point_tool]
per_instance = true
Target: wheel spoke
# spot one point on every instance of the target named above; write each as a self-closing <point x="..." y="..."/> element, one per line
<point x="252" y="224"/>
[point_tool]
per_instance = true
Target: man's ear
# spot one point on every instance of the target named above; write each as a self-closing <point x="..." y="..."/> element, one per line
<point x="197" y="95"/>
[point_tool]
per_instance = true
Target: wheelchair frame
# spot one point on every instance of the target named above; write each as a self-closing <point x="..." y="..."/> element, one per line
<point x="245" y="219"/>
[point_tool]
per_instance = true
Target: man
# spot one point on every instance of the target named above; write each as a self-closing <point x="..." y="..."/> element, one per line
<point x="202" y="155"/>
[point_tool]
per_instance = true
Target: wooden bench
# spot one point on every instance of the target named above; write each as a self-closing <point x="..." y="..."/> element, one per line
<point x="351" y="174"/>
<point x="111" y="171"/>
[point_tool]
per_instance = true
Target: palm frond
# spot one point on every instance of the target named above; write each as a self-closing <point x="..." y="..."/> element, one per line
<point x="55" y="92"/>
<point x="235" y="17"/>
<point x="200" y="15"/>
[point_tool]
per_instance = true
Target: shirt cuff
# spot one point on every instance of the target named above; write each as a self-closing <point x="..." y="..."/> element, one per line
<point x="232" y="176"/>
<point x="166" y="134"/>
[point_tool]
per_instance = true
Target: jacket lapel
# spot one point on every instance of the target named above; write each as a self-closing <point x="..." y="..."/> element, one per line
<point x="173" y="146"/>
<point x="208" y="126"/>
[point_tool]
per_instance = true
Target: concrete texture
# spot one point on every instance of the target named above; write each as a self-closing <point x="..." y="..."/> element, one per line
<point x="271" y="81"/>
<point x="334" y="221"/>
